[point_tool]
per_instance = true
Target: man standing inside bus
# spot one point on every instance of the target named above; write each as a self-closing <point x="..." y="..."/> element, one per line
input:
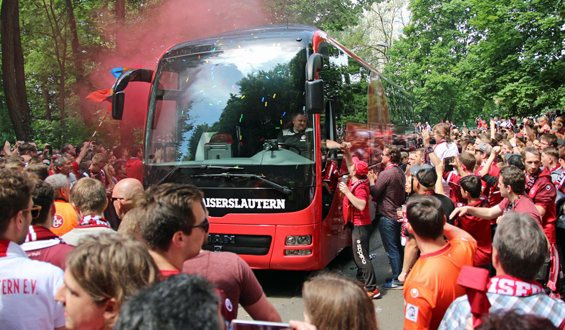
<point x="299" y="136"/>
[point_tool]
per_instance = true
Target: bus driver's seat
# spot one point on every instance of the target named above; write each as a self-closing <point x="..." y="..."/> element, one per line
<point x="219" y="146"/>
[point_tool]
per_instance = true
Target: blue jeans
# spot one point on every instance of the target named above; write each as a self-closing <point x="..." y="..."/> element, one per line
<point x="390" y="235"/>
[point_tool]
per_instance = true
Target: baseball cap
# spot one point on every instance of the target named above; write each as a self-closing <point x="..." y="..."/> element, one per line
<point x="425" y="174"/>
<point x="485" y="148"/>
<point x="360" y="166"/>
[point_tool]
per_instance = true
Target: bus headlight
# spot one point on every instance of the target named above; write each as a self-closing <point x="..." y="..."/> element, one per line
<point x="297" y="252"/>
<point x="299" y="240"/>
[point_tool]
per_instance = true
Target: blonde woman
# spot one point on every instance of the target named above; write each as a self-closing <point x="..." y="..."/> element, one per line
<point x="334" y="302"/>
<point x="101" y="273"/>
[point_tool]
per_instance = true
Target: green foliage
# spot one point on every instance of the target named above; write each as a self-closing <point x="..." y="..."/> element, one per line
<point x="326" y="14"/>
<point x="458" y="57"/>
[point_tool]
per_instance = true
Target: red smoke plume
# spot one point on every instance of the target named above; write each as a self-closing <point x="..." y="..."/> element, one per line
<point x="159" y="27"/>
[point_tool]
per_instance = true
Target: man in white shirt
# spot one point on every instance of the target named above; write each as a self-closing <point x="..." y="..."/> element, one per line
<point x="27" y="287"/>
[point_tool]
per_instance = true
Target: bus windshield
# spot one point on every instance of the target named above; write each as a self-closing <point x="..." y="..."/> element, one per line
<point x="227" y="106"/>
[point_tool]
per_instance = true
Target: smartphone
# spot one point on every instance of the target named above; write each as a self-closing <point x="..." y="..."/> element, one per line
<point x="258" y="325"/>
<point x="50" y="151"/>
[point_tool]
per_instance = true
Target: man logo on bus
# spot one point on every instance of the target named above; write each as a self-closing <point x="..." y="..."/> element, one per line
<point x="58" y="221"/>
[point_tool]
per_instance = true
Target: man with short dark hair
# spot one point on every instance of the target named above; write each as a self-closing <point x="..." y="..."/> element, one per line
<point x="157" y="308"/>
<point x="548" y="140"/>
<point x="388" y="189"/>
<point x="88" y="197"/>
<point x="175" y="225"/>
<point x="478" y="228"/>
<point x="96" y="169"/>
<point x="299" y="136"/>
<point x="428" y="292"/>
<point x="511" y="184"/>
<point x="41" y="243"/>
<point x="28" y="286"/>
<point x="519" y="251"/>
<point x="540" y="188"/>
<point x="27" y="151"/>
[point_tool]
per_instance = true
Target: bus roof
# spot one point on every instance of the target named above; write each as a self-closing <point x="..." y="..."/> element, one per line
<point x="301" y="33"/>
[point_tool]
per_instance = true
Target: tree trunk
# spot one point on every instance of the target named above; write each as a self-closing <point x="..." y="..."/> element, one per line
<point x="13" y="72"/>
<point x="121" y="11"/>
<point x="77" y="54"/>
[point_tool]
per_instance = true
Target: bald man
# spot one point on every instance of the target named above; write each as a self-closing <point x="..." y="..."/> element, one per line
<point x="123" y="195"/>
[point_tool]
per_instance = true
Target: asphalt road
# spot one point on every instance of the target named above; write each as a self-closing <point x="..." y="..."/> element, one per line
<point x="283" y="288"/>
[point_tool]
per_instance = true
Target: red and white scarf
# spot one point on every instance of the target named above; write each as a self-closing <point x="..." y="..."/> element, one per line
<point x="40" y="237"/>
<point x="511" y="286"/>
<point x="102" y="176"/>
<point x="40" y="233"/>
<point x="92" y="221"/>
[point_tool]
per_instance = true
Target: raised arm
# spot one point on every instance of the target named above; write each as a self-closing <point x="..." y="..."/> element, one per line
<point x="486" y="169"/>
<point x="479" y="212"/>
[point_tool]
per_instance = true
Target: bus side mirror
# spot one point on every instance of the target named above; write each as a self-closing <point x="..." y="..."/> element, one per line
<point x="314" y="88"/>
<point x="315" y="96"/>
<point x="121" y="83"/>
<point x="118" y="99"/>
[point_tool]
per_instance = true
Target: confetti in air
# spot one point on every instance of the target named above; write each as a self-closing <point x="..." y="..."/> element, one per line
<point x="243" y="97"/>
<point x="263" y="99"/>
<point x="223" y="83"/>
<point x="187" y="79"/>
<point x="265" y="103"/>
<point x="274" y="95"/>
<point x="240" y="118"/>
<point x="267" y="77"/>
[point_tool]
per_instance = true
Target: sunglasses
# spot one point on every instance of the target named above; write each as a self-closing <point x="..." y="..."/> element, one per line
<point x="34" y="211"/>
<point x="117" y="199"/>
<point x="204" y="225"/>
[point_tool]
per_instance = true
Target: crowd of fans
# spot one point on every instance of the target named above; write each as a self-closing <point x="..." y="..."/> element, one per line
<point x="447" y="198"/>
<point x="471" y="220"/>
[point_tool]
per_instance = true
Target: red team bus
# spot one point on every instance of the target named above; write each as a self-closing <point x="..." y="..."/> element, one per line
<point x="216" y="107"/>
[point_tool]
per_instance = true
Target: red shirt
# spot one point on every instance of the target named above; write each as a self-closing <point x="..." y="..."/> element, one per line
<point x="522" y="204"/>
<point x="134" y="169"/>
<point x="481" y="232"/>
<point x="55" y="255"/>
<point x="543" y="193"/>
<point x="331" y="174"/>
<point x="452" y="180"/>
<point x="360" y="217"/>
<point x="491" y="193"/>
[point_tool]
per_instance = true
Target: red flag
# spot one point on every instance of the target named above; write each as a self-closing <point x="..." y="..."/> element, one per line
<point x="100" y="95"/>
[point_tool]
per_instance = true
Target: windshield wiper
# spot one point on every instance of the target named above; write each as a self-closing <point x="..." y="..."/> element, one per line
<point x="283" y="189"/>
<point x="201" y="167"/>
